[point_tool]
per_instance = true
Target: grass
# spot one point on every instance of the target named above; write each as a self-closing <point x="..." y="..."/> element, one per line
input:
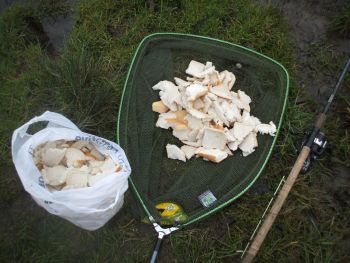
<point x="83" y="80"/>
<point x="341" y="24"/>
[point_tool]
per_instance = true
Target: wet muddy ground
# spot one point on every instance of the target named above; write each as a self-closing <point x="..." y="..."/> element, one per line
<point x="309" y="23"/>
<point x="52" y="31"/>
<point x="308" y="30"/>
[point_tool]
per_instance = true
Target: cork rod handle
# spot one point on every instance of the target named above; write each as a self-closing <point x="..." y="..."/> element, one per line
<point x="281" y="198"/>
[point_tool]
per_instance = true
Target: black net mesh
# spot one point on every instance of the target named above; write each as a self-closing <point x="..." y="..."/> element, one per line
<point x="159" y="179"/>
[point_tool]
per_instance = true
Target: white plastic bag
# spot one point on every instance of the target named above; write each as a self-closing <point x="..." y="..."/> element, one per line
<point x="90" y="207"/>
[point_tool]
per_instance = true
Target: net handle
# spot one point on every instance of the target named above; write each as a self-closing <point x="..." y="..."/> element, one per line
<point x="157" y="247"/>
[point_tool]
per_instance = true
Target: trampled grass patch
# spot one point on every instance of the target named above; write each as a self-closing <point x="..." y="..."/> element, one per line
<point x="83" y="80"/>
<point x="341" y="23"/>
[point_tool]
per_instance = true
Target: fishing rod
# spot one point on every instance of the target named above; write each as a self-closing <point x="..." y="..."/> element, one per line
<point x="313" y="145"/>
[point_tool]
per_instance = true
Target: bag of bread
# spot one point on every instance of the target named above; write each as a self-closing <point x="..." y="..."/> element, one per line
<point x="72" y="174"/>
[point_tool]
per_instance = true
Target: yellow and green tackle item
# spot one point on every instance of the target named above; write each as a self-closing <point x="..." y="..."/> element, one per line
<point x="171" y="213"/>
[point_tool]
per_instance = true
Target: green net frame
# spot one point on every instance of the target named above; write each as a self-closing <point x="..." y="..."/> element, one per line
<point x="155" y="178"/>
